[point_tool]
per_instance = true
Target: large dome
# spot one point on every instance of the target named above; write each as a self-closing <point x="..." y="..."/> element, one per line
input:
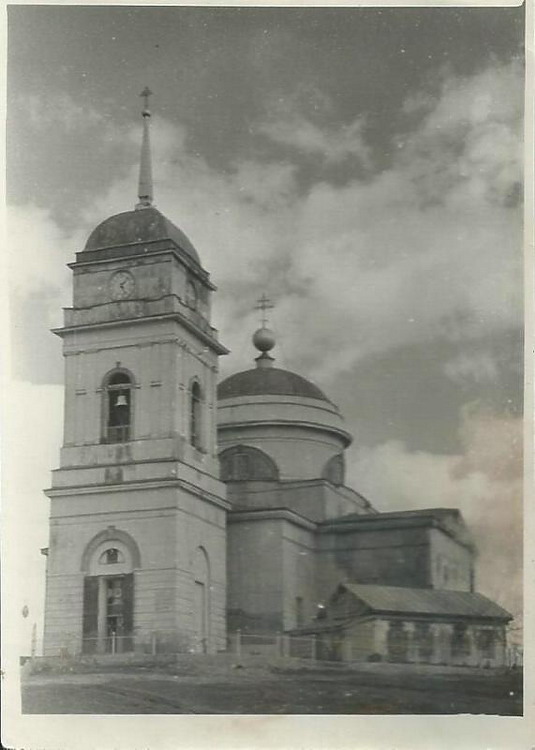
<point x="280" y="415"/>
<point x="268" y="382"/>
<point x="142" y="225"/>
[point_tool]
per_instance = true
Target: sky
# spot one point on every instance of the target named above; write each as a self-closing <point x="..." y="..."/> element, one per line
<point x="360" y="166"/>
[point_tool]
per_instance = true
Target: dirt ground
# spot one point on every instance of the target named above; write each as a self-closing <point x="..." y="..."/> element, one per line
<point x="368" y="689"/>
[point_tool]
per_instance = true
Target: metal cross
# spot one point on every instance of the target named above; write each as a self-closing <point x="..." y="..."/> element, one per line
<point x="264" y="303"/>
<point x="145" y="94"/>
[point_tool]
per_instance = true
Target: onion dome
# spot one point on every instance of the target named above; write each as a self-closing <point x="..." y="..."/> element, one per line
<point x="139" y="227"/>
<point x="268" y="382"/>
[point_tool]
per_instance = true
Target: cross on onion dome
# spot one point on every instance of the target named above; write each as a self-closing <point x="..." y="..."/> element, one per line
<point x="264" y="304"/>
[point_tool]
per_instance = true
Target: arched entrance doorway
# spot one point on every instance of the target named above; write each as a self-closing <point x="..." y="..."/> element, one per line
<point x="108" y="607"/>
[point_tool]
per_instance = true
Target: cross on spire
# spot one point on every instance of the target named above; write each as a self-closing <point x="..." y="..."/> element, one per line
<point x="145" y="167"/>
<point x="264" y="304"/>
<point x="145" y="94"/>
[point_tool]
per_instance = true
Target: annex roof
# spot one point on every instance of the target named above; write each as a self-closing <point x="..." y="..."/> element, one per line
<point x="441" y="602"/>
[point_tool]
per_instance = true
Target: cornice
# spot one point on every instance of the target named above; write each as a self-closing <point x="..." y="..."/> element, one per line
<point x="377" y="522"/>
<point x="99" y="489"/>
<point x="243" y="424"/>
<point x="204" y="337"/>
<point x="262" y="514"/>
<point x="115" y="253"/>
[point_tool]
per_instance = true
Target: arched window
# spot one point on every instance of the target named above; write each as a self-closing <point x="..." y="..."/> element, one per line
<point x="111" y="556"/>
<point x="334" y="470"/>
<point x="118" y="392"/>
<point x="191" y="295"/>
<point x="242" y="463"/>
<point x="195" y="415"/>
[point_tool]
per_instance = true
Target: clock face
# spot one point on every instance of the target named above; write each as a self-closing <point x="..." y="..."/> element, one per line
<point x="122" y="285"/>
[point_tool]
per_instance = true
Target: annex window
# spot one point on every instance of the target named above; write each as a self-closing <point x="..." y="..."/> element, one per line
<point x="195" y="415"/>
<point x="460" y="646"/>
<point x="423" y="640"/>
<point x="118" y="407"/>
<point x="486" y="642"/>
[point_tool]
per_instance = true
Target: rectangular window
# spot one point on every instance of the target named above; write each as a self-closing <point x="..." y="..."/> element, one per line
<point x="423" y="637"/>
<point x="460" y="646"/>
<point x="486" y="643"/>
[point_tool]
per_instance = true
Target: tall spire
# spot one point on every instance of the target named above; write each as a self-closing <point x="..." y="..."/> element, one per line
<point x="145" y="167"/>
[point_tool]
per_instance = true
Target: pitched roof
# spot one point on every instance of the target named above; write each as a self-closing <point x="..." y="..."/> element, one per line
<point x="438" y="602"/>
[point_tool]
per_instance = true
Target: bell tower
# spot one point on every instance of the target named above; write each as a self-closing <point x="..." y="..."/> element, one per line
<point x="138" y="514"/>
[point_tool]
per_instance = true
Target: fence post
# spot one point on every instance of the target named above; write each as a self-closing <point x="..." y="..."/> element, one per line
<point x="238" y="642"/>
<point x="153" y="643"/>
<point x="113" y="643"/>
<point x="278" y="644"/>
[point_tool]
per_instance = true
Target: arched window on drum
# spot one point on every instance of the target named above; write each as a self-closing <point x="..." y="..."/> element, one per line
<point x="334" y="470"/>
<point x="244" y="463"/>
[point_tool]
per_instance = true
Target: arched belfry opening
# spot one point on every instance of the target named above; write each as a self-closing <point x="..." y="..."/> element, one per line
<point x="118" y="407"/>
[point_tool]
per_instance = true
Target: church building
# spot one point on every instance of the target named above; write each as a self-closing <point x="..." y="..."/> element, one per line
<point x="184" y="510"/>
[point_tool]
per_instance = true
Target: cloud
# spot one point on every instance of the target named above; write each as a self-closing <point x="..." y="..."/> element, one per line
<point x="470" y="366"/>
<point x="29" y="412"/>
<point x="39" y="286"/>
<point x="427" y="250"/>
<point x="334" y="145"/>
<point x="468" y="147"/>
<point x="484" y="481"/>
<point x="58" y="110"/>
<point x="38" y="251"/>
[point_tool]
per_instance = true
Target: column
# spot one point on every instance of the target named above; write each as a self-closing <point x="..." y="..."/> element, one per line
<point x="102" y="611"/>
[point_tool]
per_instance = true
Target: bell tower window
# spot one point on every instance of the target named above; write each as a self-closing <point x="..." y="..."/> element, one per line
<point x="118" y="408"/>
<point x="195" y="415"/>
<point x="191" y="295"/>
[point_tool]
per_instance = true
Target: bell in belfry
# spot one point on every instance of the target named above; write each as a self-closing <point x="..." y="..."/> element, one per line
<point x="121" y="400"/>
